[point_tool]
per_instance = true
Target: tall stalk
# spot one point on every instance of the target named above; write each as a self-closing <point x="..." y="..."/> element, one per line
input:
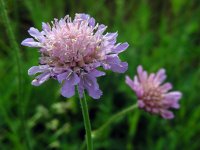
<point x="86" y="119"/>
<point x="97" y="133"/>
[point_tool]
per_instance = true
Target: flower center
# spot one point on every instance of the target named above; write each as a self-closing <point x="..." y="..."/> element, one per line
<point x="71" y="45"/>
<point x="152" y="97"/>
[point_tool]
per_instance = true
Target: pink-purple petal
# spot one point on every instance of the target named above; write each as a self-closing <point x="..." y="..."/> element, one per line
<point x="38" y="69"/>
<point x="130" y="82"/>
<point x="68" y="90"/>
<point x="139" y="70"/>
<point x="62" y="76"/>
<point x="120" y="68"/>
<point x="166" y="87"/>
<point x="97" y="73"/>
<point x="114" y="63"/>
<point x="160" y="76"/>
<point x="91" y="85"/>
<point x="36" y="34"/>
<point x="141" y="104"/>
<point x="142" y="74"/>
<point x="167" y="114"/>
<point x="121" y="47"/>
<point x="92" y="22"/>
<point x="173" y="96"/>
<point x="73" y="79"/>
<point x="30" y="42"/>
<point x="41" y="79"/>
<point x="46" y="27"/>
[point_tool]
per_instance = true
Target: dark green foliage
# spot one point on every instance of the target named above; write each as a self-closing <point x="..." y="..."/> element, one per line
<point x="160" y="33"/>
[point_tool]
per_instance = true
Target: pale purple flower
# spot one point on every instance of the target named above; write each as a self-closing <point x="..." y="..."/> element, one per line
<point x="72" y="50"/>
<point x="153" y="95"/>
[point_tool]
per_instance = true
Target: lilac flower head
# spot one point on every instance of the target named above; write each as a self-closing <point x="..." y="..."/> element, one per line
<point x="154" y="96"/>
<point x="72" y="50"/>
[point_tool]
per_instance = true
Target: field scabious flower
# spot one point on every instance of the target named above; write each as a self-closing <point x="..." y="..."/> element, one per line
<point x="154" y="96"/>
<point x="72" y="50"/>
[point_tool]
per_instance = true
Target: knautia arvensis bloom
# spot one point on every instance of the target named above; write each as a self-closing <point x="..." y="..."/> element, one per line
<point x="153" y="95"/>
<point x="72" y="50"/>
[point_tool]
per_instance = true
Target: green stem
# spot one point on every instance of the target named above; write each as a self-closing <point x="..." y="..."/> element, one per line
<point x="86" y="119"/>
<point x="113" y="119"/>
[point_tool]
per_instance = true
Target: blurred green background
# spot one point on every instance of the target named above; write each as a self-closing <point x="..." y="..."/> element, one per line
<point x="160" y="33"/>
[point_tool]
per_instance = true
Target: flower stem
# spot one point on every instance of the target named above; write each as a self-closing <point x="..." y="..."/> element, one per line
<point x="86" y="119"/>
<point x="112" y="119"/>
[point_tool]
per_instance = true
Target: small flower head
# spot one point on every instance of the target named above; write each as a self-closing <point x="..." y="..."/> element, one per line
<point x="72" y="50"/>
<point x="154" y="96"/>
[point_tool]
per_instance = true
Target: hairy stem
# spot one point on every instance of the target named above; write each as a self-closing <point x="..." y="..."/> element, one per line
<point x="86" y="119"/>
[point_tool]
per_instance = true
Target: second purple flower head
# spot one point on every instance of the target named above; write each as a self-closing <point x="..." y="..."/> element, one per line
<point x="153" y="95"/>
<point x="72" y="50"/>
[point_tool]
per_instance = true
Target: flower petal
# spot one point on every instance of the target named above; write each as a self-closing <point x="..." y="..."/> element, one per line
<point x="167" y="114"/>
<point x="97" y="73"/>
<point x="68" y="90"/>
<point x="46" y="27"/>
<point x="121" y="47"/>
<point x="114" y="63"/>
<point x="173" y="96"/>
<point x="101" y="29"/>
<point x="120" y="68"/>
<point x="141" y="104"/>
<point x="160" y="76"/>
<point x="62" y="77"/>
<point x="111" y="36"/>
<point x="73" y="79"/>
<point x="36" y="34"/>
<point x="83" y="16"/>
<point x="30" y="42"/>
<point x="166" y="87"/>
<point x="92" y="22"/>
<point x="90" y="84"/>
<point x="130" y="82"/>
<point x="37" y="69"/>
<point x="41" y="79"/>
<point x="143" y="76"/>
